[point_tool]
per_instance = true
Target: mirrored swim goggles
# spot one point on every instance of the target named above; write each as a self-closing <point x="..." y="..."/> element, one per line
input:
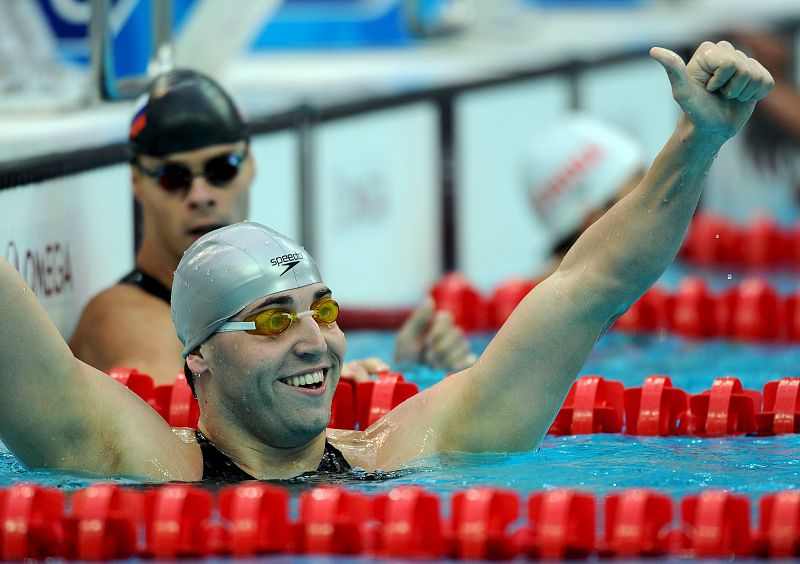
<point x="219" y="171"/>
<point x="273" y="322"/>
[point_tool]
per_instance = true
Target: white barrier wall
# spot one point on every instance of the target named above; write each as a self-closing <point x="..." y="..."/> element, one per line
<point x="69" y="237"/>
<point x="498" y="236"/>
<point x="634" y="95"/>
<point x="275" y="193"/>
<point x="376" y="201"/>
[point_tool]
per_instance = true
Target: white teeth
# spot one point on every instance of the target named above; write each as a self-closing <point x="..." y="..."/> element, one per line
<point x="305" y="379"/>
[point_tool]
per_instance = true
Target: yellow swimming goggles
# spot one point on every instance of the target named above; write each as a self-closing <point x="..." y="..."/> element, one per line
<point x="273" y="322"/>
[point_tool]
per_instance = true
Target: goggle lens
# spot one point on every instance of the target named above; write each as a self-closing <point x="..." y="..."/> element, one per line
<point x="273" y="322"/>
<point x="219" y="171"/>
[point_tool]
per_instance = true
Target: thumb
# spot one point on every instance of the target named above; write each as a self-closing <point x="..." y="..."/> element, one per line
<point x="420" y="318"/>
<point x="673" y="64"/>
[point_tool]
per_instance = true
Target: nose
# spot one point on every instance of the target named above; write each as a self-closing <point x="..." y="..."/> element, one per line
<point x="201" y="195"/>
<point x="310" y="342"/>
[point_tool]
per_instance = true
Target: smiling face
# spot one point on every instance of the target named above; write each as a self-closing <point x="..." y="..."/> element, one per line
<point x="255" y="384"/>
<point x="174" y="220"/>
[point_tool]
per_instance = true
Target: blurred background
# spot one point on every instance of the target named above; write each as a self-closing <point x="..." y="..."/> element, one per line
<point x="393" y="136"/>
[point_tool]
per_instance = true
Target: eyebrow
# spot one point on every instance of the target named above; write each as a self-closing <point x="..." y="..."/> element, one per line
<point x="181" y="162"/>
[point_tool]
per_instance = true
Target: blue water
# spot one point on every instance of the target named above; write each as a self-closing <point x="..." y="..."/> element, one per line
<point x="598" y="463"/>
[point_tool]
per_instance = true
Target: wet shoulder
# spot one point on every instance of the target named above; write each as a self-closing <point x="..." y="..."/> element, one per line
<point x="355" y="446"/>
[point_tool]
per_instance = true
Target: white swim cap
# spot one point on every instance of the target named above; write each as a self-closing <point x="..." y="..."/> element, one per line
<point x="229" y="268"/>
<point x="574" y="168"/>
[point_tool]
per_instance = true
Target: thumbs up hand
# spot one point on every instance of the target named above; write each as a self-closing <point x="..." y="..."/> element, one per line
<point x="719" y="86"/>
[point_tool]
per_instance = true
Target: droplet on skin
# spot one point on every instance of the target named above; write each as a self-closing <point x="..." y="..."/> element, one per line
<point x="730" y="276"/>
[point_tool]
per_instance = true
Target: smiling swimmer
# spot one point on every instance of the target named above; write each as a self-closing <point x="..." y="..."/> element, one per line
<point x="220" y="275"/>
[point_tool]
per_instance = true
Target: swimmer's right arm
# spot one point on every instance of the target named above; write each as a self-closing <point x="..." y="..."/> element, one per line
<point x="59" y="413"/>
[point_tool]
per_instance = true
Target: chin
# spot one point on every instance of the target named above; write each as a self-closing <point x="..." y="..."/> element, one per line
<point x="312" y="427"/>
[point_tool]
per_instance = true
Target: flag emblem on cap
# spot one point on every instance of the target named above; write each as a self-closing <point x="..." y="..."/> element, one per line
<point x="138" y="123"/>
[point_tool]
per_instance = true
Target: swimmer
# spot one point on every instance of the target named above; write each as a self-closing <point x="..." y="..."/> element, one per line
<point x="191" y="170"/>
<point x="576" y="170"/>
<point x="265" y="352"/>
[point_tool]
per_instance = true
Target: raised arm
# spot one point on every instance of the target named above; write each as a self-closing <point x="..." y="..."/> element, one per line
<point x="509" y="398"/>
<point x="57" y="412"/>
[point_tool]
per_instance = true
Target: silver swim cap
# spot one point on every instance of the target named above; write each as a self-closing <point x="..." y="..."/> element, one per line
<point x="226" y="270"/>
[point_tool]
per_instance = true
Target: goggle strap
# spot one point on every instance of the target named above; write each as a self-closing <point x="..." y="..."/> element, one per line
<point x="308" y="313"/>
<point x="237" y="326"/>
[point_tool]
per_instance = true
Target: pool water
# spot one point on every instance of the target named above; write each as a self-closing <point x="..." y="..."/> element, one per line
<point x="605" y="463"/>
<point x="596" y="463"/>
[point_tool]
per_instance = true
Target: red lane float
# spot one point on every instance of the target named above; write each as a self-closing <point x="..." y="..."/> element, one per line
<point x="176" y="521"/>
<point x="751" y="311"/>
<point x="756" y="312"/>
<point x="781" y="407"/>
<point x="176" y="403"/>
<point x="791" y="317"/>
<point x="710" y="241"/>
<point x="693" y="309"/>
<point x="139" y="383"/>
<point x="258" y="519"/>
<point x="104" y="523"/>
<point x="31" y="522"/>
<point x="651" y="313"/>
<point x="655" y="408"/>
<point x="718" y="524"/>
<point x="343" y="406"/>
<point x="778" y="533"/>
<point x="715" y="242"/>
<point x="375" y="399"/>
<point x="725" y="409"/>
<point x="636" y="524"/>
<point x="411" y="524"/>
<point x="335" y="521"/>
<point x="480" y="519"/>
<point x="454" y="294"/>
<point x="561" y="525"/>
<point x="505" y="298"/>
<point x="593" y="405"/>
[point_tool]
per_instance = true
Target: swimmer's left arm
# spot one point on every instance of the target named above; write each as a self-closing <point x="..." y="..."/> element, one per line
<point x="511" y="396"/>
<point x="508" y="399"/>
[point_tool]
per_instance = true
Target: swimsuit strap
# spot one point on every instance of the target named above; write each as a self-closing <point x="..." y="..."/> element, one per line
<point x="333" y="461"/>
<point x="145" y="282"/>
<point x="218" y="466"/>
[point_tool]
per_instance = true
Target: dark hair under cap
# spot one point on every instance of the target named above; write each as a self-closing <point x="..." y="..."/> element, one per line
<point x="184" y="110"/>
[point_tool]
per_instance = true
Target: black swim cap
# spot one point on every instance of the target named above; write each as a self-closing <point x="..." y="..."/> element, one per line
<point x="183" y="110"/>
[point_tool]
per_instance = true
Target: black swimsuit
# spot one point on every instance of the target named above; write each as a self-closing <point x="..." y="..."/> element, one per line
<point x="147" y="283"/>
<point x="218" y="466"/>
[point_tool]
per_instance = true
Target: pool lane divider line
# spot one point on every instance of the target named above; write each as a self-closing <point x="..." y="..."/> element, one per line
<point x="715" y="242"/>
<point x="751" y="311"/>
<point x="593" y="405"/>
<point x="109" y="522"/>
